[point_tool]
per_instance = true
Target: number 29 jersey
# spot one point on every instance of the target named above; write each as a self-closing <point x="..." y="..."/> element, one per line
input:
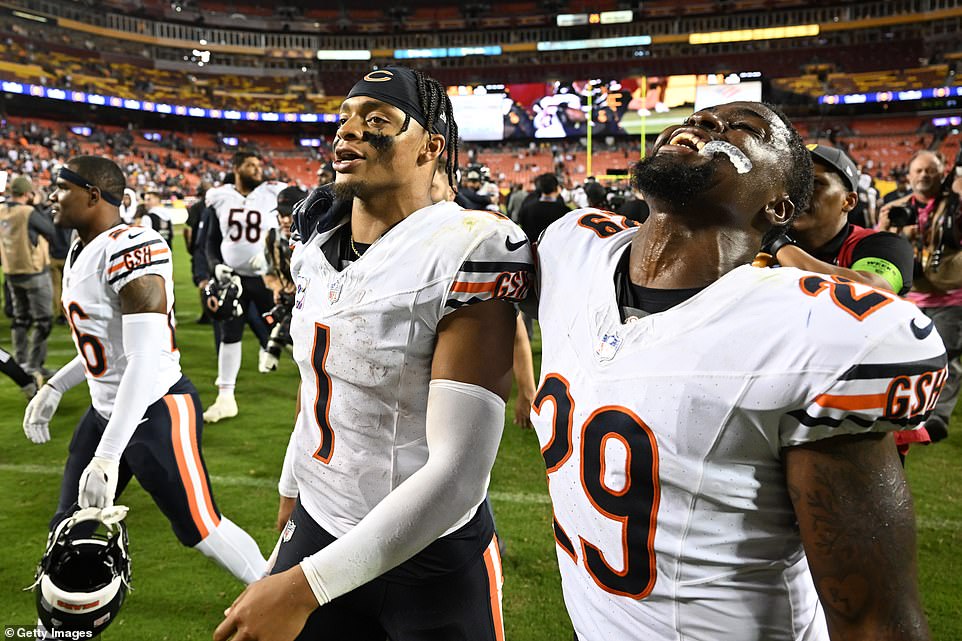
<point x="92" y="279"/>
<point x="364" y="341"/>
<point x="244" y="222"/>
<point x="662" y="435"/>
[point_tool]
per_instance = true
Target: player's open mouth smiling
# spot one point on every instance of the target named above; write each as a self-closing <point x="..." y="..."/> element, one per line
<point x="346" y="159"/>
<point x="684" y="141"/>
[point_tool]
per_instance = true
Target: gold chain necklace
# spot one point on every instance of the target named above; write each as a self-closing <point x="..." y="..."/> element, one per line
<point x="353" y="248"/>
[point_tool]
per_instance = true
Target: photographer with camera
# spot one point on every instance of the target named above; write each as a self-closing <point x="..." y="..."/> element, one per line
<point x="277" y="252"/>
<point x="929" y="218"/>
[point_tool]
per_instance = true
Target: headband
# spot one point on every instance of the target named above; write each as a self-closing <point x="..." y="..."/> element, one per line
<point x="77" y="179"/>
<point x="397" y="86"/>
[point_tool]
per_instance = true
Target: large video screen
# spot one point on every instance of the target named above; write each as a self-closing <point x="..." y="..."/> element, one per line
<point x="628" y="106"/>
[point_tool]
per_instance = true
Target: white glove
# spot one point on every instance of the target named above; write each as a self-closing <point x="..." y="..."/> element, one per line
<point x="223" y="273"/>
<point x="40" y="409"/>
<point x="266" y="362"/>
<point x="98" y="483"/>
<point x="258" y="262"/>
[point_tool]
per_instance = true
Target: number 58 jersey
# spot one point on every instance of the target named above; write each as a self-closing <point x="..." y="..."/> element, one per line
<point x="663" y="436"/>
<point x="244" y="222"/>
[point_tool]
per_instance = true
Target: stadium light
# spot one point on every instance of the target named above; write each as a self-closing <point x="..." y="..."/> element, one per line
<point x="344" y="54"/>
<point x="594" y="43"/>
<point x="743" y="35"/>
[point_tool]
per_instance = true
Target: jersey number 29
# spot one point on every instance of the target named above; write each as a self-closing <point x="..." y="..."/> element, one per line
<point x="635" y="505"/>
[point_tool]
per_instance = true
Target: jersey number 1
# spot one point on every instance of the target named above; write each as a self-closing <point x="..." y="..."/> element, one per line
<point x="322" y="404"/>
<point x="634" y="505"/>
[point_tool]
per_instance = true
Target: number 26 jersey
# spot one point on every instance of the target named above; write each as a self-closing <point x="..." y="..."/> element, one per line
<point x="662" y="436"/>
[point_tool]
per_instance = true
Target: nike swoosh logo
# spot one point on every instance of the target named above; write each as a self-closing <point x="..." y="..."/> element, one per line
<point x="513" y="246"/>
<point x="135" y="235"/>
<point x="921" y="333"/>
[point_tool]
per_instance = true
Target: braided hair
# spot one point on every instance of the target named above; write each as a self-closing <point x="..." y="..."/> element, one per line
<point x="437" y="107"/>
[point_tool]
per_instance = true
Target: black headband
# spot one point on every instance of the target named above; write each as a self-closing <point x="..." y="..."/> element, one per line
<point x="397" y="86"/>
<point x="77" y="179"/>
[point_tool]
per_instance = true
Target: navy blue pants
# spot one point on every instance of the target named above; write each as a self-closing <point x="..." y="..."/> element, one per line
<point x="450" y="591"/>
<point x="163" y="454"/>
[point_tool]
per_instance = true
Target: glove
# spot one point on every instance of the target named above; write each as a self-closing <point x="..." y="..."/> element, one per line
<point x="40" y="409"/>
<point x="223" y="273"/>
<point x="98" y="483"/>
<point x="258" y="262"/>
<point x="775" y="239"/>
<point x="266" y="362"/>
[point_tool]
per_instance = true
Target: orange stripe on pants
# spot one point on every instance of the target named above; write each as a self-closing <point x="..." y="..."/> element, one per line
<point x="204" y="487"/>
<point x="175" y="420"/>
<point x="492" y="562"/>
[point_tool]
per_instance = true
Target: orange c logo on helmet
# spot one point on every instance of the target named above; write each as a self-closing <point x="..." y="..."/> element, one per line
<point x="379" y="75"/>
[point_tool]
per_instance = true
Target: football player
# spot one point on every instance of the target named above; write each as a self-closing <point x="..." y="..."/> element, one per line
<point x="242" y="217"/>
<point x="716" y="435"/>
<point x="144" y="420"/>
<point x="403" y="330"/>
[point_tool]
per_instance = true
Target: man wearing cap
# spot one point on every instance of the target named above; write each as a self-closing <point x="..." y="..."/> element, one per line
<point x="277" y="256"/>
<point x="469" y="195"/>
<point x="823" y="241"/>
<point x="403" y="331"/>
<point x="24" y="251"/>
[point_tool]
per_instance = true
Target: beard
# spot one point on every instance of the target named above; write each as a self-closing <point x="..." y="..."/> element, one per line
<point x="661" y="178"/>
<point x="347" y="191"/>
<point x="248" y="183"/>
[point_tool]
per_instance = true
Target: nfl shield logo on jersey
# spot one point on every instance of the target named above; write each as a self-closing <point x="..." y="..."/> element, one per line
<point x="608" y="346"/>
<point x="334" y="290"/>
<point x="288" y="531"/>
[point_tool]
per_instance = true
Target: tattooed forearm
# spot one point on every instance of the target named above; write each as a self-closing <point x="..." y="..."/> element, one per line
<point x="856" y="520"/>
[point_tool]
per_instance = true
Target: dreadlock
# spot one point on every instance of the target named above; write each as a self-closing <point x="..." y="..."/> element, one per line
<point x="435" y="104"/>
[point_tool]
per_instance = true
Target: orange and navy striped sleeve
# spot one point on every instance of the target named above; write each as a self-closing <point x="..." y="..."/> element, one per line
<point x="499" y="267"/>
<point x="894" y="386"/>
<point x="135" y="252"/>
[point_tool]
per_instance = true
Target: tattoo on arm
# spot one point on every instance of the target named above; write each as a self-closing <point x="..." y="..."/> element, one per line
<point x="857" y="524"/>
<point x="144" y="294"/>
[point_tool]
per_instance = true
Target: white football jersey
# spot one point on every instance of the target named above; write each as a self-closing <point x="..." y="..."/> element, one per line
<point x="364" y="341"/>
<point x="92" y="280"/>
<point x="244" y="222"/>
<point x="662" y="435"/>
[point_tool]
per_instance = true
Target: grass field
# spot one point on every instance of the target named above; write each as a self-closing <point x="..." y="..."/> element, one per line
<point x="179" y="595"/>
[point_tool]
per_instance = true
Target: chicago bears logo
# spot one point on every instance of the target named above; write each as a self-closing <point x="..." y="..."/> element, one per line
<point x="379" y="75"/>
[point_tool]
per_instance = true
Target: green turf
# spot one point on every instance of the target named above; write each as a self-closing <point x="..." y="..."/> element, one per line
<point x="179" y="595"/>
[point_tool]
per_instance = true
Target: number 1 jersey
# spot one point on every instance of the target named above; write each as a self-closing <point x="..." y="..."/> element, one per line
<point x="244" y="222"/>
<point x="663" y="435"/>
<point x="364" y="341"/>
